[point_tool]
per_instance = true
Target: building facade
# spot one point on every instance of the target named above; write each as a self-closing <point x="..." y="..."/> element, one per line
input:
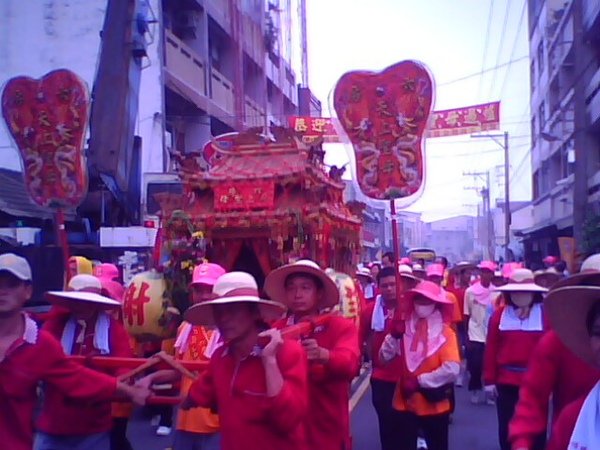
<point x="453" y="238"/>
<point x="209" y="67"/>
<point x="555" y="36"/>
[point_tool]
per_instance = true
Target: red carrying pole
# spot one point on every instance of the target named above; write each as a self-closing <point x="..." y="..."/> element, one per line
<point x="61" y="234"/>
<point x="396" y="248"/>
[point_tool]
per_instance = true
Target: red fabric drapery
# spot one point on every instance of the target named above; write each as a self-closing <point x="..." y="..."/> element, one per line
<point x="232" y="251"/>
<point x="260" y="247"/>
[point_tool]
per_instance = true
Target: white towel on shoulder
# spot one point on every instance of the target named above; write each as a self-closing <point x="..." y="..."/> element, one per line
<point x="586" y="434"/>
<point x="101" y="334"/>
<point x="378" y="318"/>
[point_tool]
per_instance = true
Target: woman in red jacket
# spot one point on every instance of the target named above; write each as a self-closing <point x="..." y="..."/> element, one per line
<point x="513" y="332"/>
<point x="332" y="351"/>
<point x="575" y="315"/>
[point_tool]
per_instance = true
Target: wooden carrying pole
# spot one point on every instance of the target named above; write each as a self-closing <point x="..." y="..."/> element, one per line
<point x="396" y="248"/>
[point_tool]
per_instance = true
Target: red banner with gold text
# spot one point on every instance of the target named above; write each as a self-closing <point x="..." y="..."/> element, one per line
<point x="243" y="196"/>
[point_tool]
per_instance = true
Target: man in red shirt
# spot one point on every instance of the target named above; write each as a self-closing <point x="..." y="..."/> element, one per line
<point x="29" y="356"/>
<point x="260" y="393"/>
<point x="375" y="323"/>
<point x="86" y="329"/>
<point x="332" y="350"/>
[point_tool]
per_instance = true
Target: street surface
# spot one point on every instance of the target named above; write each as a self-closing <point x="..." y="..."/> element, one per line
<point x="473" y="428"/>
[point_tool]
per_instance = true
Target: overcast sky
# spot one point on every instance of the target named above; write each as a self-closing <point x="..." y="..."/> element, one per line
<point x="452" y="39"/>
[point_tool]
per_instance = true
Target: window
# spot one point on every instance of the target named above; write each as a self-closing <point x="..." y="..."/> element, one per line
<point x="542" y="116"/>
<point x="532" y="75"/>
<point x="540" y="57"/>
<point x="533" y="131"/>
<point x="536" y="185"/>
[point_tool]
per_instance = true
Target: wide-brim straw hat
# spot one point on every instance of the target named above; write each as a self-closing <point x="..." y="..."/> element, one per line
<point x="463" y="265"/>
<point x="68" y="299"/>
<point x="521" y="280"/>
<point x="551" y="275"/>
<point x="428" y="290"/>
<point x="275" y="282"/>
<point x="589" y="274"/>
<point x="233" y="287"/>
<point x="568" y="308"/>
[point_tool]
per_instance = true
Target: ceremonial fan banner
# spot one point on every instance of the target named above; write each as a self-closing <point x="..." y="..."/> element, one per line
<point x="385" y="116"/>
<point x="47" y="118"/>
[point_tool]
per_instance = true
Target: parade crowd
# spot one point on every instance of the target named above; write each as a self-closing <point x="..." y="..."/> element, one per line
<point x="280" y="359"/>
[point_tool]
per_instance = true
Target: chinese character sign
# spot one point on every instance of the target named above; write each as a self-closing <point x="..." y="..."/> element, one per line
<point x="47" y="119"/>
<point x="385" y="115"/>
<point x="243" y="196"/>
<point x="470" y="119"/>
<point x="313" y="128"/>
<point x="147" y="313"/>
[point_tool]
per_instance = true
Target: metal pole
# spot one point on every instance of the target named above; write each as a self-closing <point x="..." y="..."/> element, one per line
<point x="580" y="189"/>
<point x="506" y="199"/>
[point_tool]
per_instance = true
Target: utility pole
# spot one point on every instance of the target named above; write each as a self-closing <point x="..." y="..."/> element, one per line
<point x="580" y="189"/>
<point x="507" y="218"/>
<point x="504" y="145"/>
<point x="486" y="209"/>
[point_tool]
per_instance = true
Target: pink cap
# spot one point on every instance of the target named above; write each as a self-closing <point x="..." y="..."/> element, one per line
<point x="106" y="271"/>
<point x="509" y="268"/>
<point x="207" y="273"/>
<point x="550" y="260"/>
<point x="435" y="270"/>
<point x="112" y="289"/>
<point x="487" y="265"/>
<point x="404" y="261"/>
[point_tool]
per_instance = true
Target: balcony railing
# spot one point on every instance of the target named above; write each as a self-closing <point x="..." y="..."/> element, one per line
<point x="222" y="92"/>
<point x="255" y="115"/>
<point x="183" y="63"/>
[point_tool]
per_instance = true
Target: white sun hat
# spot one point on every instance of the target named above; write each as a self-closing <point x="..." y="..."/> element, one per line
<point x="233" y="287"/>
<point x="68" y="299"/>
<point x="521" y="280"/>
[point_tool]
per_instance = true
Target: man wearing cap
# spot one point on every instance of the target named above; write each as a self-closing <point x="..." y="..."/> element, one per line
<point x="332" y="350"/>
<point x="196" y="427"/>
<point x="29" y="356"/>
<point x="366" y="283"/>
<point x="260" y="393"/>
<point x="478" y="299"/>
<point x="87" y="329"/>
<point x="435" y="274"/>
<point x="553" y="372"/>
<point x="377" y="321"/>
<point x="513" y="332"/>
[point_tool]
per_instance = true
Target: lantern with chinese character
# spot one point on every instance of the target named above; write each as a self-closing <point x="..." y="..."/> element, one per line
<point x="47" y="119"/>
<point x="385" y="116"/>
<point x="147" y="311"/>
<point x="349" y="304"/>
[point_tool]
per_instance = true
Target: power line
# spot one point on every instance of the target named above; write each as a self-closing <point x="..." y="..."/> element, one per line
<point x="500" y="46"/>
<point x="514" y="48"/>
<point x="485" y="46"/>
<point x="489" y="69"/>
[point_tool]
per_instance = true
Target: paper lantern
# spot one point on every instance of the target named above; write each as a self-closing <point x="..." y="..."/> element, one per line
<point x="47" y="119"/>
<point x="385" y="116"/>
<point x="147" y="312"/>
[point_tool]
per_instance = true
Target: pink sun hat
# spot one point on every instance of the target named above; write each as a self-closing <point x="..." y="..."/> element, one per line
<point x="487" y="265"/>
<point x="106" y="271"/>
<point x="435" y="270"/>
<point x="207" y="273"/>
<point x="428" y="290"/>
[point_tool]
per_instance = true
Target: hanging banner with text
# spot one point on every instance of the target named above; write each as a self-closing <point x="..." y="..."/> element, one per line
<point x="467" y="120"/>
<point x="450" y="122"/>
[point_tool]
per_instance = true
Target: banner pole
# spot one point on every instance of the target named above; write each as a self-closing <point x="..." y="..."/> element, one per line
<point x="63" y="241"/>
<point x="396" y="248"/>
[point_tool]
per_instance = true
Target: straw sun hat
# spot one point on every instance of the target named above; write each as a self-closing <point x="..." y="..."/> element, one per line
<point x="568" y="308"/>
<point x="233" y="287"/>
<point x="589" y="274"/>
<point x="275" y="282"/>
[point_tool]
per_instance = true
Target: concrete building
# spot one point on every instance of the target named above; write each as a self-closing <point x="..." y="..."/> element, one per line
<point x="554" y="78"/>
<point x="521" y="219"/>
<point x="211" y="67"/>
<point x="453" y="238"/>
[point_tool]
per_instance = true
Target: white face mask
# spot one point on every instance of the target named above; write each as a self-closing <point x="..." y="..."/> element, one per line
<point x="423" y="311"/>
<point x="521" y="299"/>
